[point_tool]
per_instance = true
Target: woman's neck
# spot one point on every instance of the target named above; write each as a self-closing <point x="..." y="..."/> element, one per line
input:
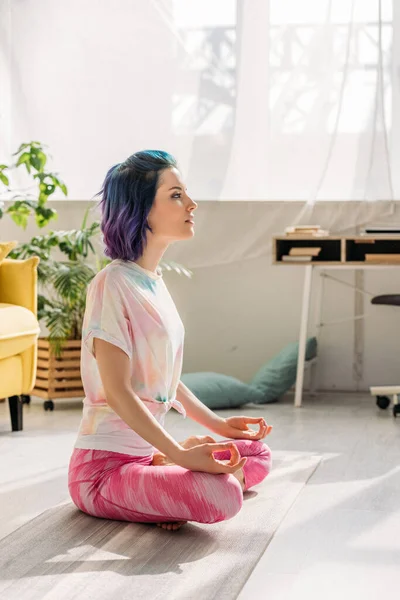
<point x="152" y="255"/>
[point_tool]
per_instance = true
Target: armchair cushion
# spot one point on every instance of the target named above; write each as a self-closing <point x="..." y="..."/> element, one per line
<point x="18" y="329"/>
<point x="18" y="282"/>
<point x="5" y="248"/>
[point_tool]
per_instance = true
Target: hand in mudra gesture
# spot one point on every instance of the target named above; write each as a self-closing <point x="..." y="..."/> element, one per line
<point x="238" y="428"/>
<point x="200" y="458"/>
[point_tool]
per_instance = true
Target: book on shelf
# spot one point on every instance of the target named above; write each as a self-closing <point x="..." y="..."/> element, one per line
<point x="383" y="229"/>
<point x="382" y="258"/>
<point x="306" y="236"/>
<point x="288" y="258"/>
<point x="306" y="231"/>
<point x="304" y="251"/>
<point x="294" y="228"/>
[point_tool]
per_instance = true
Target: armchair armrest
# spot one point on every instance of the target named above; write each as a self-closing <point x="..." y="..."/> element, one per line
<point x="18" y="282"/>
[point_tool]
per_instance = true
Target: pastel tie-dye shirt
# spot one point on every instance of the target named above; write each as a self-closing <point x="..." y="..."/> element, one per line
<point x="131" y="308"/>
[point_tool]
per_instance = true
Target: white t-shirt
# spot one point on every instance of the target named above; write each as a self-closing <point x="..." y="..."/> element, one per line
<point x="130" y="307"/>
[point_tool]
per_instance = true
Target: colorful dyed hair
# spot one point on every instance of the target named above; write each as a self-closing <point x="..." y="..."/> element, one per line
<point x="127" y="196"/>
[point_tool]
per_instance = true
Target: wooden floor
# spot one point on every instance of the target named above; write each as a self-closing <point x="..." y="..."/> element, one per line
<point x="341" y="537"/>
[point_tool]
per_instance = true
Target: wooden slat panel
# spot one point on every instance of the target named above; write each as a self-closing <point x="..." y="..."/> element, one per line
<point x="44" y="343"/>
<point x="70" y="394"/>
<point x="41" y="384"/>
<point x="58" y="376"/>
<point x="67" y="373"/>
<point x="40" y="393"/>
<point x="73" y="343"/>
<point x="58" y="385"/>
<point x="70" y="354"/>
<point x="52" y="396"/>
<point x="42" y="373"/>
<point x="66" y="363"/>
<point x="44" y="364"/>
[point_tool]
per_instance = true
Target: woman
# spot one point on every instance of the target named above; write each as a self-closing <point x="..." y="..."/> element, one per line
<point x="125" y="466"/>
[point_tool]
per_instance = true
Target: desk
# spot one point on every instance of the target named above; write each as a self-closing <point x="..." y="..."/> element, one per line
<point x="337" y="252"/>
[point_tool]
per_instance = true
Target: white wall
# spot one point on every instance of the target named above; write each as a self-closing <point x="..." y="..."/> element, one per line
<point x="239" y="314"/>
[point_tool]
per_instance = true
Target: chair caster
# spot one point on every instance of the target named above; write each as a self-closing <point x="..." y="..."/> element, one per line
<point x="396" y="410"/>
<point x="25" y="399"/>
<point x="383" y="402"/>
<point x="48" y="405"/>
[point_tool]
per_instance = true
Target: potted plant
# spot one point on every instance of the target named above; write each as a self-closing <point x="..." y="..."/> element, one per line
<point x="62" y="279"/>
<point x="61" y="304"/>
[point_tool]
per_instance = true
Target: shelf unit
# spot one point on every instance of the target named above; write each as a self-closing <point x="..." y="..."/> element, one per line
<point x="338" y="250"/>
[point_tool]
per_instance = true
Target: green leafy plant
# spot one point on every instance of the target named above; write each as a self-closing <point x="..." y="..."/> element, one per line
<point x="63" y="282"/>
<point x="32" y="157"/>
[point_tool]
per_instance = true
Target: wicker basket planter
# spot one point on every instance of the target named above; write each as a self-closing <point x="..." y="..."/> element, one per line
<point x="58" y="377"/>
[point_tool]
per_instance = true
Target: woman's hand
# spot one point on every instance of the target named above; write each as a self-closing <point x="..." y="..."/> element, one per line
<point x="237" y="428"/>
<point x="200" y="458"/>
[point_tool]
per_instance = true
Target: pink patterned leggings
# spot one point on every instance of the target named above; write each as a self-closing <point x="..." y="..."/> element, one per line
<point x="117" y="486"/>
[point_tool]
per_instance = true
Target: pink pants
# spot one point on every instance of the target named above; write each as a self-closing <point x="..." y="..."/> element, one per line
<point x="128" y="488"/>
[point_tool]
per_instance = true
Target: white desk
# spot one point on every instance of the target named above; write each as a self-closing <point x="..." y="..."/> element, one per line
<point x="344" y="249"/>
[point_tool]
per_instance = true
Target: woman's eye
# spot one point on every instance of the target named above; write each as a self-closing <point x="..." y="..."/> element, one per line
<point x="176" y="195"/>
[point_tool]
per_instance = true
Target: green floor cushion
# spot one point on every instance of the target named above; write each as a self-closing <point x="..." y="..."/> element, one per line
<point x="216" y="390"/>
<point x="278" y="375"/>
<point x="270" y="382"/>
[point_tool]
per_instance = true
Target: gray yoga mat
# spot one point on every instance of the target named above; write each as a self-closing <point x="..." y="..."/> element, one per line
<point x="64" y="554"/>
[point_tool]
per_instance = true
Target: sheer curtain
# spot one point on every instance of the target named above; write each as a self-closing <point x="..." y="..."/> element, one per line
<point x="327" y="74"/>
<point x="289" y="100"/>
<point x="259" y="99"/>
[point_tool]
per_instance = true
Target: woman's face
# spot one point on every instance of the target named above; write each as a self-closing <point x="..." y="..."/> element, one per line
<point x="172" y="208"/>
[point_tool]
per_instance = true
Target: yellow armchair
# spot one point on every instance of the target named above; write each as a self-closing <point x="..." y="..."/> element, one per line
<point x="19" y="330"/>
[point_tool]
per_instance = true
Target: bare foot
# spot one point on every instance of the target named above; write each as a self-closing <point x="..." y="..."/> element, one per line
<point x="238" y="474"/>
<point x="171" y="526"/>
<point x="160" y="460"/>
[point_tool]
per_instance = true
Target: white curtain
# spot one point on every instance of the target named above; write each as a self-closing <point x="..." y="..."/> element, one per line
<point x="258" y="99"/>
<point x="326" y="77"/>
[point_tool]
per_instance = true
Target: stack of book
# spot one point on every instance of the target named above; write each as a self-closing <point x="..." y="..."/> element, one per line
<point x="383" y="258"/>
<point x="306" y="231"/>
<point x="382" y="229"/>
<point x="301" y="254"/>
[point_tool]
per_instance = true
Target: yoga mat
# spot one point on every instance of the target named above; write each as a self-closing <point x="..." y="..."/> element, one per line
<point x="64" y="554"/>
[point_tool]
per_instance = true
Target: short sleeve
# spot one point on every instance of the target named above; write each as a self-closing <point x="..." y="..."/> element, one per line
<point x="106" y="316"/>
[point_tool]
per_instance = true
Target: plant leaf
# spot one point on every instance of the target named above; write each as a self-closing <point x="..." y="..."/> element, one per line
<point x="4" y="178"/>
<point x="25" y="157"/>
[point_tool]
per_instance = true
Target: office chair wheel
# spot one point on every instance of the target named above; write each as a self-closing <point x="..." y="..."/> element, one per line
<point x="396" y="410"/>
<point x="25" y="399"/>
<point x="48" y="405"/>
<point x="383" y="402"/>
